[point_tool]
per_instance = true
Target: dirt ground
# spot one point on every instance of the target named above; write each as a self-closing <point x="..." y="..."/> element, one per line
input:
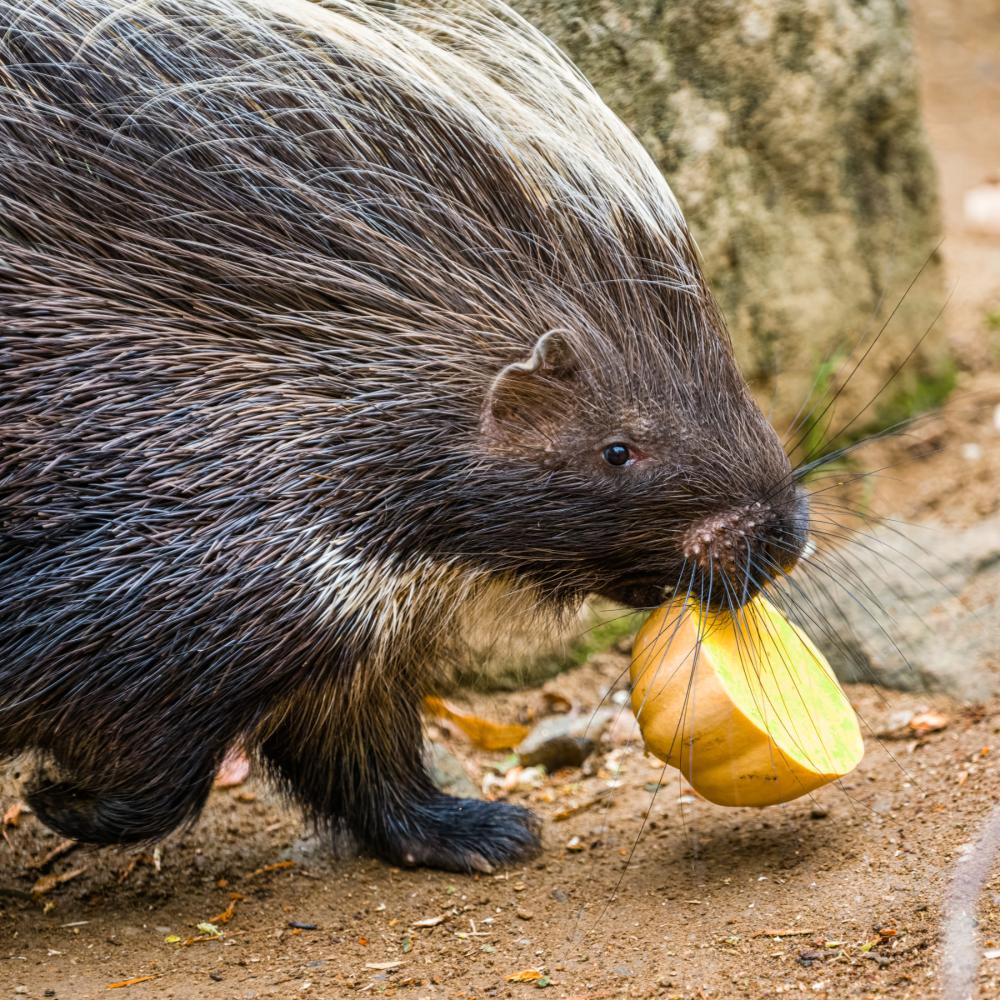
<point x="839" y="894"/>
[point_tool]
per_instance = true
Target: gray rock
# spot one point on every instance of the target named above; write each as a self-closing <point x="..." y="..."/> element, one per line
<point x="921" y="610"/>
<point x="791" y="134"/>
<point x="559" y="752"/>
<point x="572" y="725"/>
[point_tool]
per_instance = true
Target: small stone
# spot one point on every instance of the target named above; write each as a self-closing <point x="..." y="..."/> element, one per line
<point x="982" y="208"/>
<point x="819" y="812"/>
<point x="215" y="976"/>
<point x="559" y="752"/>
<point x="525" y="914"/>
<point x="21" y="990"/>
<point x="574" y="724"/>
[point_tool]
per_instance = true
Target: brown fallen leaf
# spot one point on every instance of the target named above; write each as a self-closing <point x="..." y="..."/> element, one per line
<point x="234" y="769"/>
<point x="198" y="938"/>
<point x="276" y="867"/>
<point x="484" y="733"/>
<point x="46" y="861"/>
<point x="928" y="722"/>
<point x="230" y="911"/>
<point x="12" y="815"/>
<point x="129" y="982"/>
<point x="49" y="882"/>
<point x="526" y="976"/>
<point x="574" y="810"/>
<point x="556" y="703"/>
<point x="782" y="932"/>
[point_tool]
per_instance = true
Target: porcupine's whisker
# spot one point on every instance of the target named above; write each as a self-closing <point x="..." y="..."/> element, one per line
<point x="830" y="403"/>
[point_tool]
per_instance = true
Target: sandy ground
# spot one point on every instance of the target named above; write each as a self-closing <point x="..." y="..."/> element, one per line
<point x="836" y="895"/>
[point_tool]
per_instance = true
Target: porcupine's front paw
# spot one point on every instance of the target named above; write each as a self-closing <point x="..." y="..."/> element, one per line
<point x="461" y="835"/>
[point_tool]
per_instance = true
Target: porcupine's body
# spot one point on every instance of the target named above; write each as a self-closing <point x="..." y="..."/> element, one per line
<point x="323" y="330"/>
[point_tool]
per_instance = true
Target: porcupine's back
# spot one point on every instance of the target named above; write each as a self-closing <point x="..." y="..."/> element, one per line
<point x="258" y="262"/>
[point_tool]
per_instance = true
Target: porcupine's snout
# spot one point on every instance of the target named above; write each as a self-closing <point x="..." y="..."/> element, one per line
<point x="737" y="551"/>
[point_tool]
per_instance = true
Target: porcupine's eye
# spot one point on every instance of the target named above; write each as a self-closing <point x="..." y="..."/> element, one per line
<point x="617" y="454"/>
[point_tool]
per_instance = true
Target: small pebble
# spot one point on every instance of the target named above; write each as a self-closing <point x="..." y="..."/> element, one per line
<point x="819" y="812"/>
<point x="215" y="976"/>
<point x="299" y="925"/>
<point x="971" y="451"/>
<point x="982" y="208"/>
<point x="525" y="914"/>
<point x="558" y="752"/>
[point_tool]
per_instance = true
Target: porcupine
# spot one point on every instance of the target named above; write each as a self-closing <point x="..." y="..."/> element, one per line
<point x="325" y="329"/>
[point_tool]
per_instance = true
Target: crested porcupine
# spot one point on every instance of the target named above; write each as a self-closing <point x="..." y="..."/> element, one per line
<point x="324" y="329"/>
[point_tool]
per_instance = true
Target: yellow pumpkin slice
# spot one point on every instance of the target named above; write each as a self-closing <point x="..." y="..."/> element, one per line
<point x="752" y="714"/>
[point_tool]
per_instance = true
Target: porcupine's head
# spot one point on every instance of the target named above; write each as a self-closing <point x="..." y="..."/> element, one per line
<point x="621" y="450"/>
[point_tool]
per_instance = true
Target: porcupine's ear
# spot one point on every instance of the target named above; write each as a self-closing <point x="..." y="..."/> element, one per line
<point x="527" y="393"/>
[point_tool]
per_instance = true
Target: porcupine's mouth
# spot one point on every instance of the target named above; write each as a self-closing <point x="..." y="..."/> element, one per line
<point x="638" y="590"/>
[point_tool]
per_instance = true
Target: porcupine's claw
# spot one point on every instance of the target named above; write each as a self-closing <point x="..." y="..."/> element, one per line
<point x="461" y="835"/>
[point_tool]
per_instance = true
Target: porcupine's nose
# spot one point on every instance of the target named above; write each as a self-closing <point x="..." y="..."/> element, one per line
<point x="751" y="542"/>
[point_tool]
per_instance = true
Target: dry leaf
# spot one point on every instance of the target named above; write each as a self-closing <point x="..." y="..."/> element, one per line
<point x="61" y="849"/>
<point x="234" y="769"/>
<point x="600" y="799"/>
<point x="129" y="982"/>
<point x="49" y="882"/>
<point x="928" y="722"/>
<point x="276" y="867"/>
<point x="526" y="976"/>
<point x="773" y="932"/>
<point x="556" y="703"/>
<point x="229" y="912"/>
<point x="482" y="732"/>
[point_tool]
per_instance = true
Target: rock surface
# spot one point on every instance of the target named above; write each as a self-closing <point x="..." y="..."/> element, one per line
<point x="790" y="132"/>
<point x="927" y="616"/>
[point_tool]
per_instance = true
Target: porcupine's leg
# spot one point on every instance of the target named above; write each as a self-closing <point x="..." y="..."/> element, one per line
<point x="367" y="772"/>
<point x="129" y="797"/>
